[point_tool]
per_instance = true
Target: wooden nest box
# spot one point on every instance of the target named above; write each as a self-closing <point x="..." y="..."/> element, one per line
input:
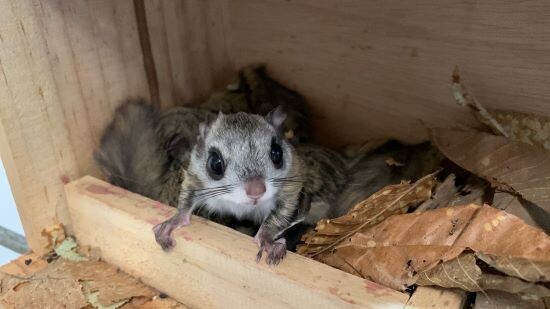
<point x="368" y="68"/>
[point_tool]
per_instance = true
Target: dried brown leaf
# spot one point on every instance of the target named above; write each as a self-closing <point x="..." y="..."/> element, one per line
<point x="510" y="166"/>
<point x="499" y="299"/>
<point x="66" y="283"/>
<point x="514" y="205"/>
<point x="396" y="250"/>
<point x="443" y="195"/>
<point x="466" y="99"/>
<point x="530" y="129"/>
<point x="390" y="200"/>
<point x="41" y="292"/>
<point x="525" y="269"/>
<point x="111" y="284"/>
<point x="55" y="234"/>
<point x="522" y="127"/>
<point x="464" y="273"/>
<point x="472" y="192"/>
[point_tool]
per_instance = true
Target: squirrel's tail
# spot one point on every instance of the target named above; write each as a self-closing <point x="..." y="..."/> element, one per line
<point x="130" y="153"/>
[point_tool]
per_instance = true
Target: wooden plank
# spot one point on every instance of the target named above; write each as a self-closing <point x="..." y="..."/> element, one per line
<point x="189" y="41"/>
<point x="65" y="65"/>
<point x="432" y="297"/>
<point x="211" y="266"/>
<point x="382" y="68"/>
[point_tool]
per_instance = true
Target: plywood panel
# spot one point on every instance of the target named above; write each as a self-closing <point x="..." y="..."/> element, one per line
<point x="382" y="68"/>
<point x="211" y="266"/>
<point x="189" y="40"/>
<point x="65" y="65"/>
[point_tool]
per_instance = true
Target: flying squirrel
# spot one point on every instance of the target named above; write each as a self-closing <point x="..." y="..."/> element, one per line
<point x="267" y="176"/>
<point x="242" y="165"/>
<point x="145" y="150"/>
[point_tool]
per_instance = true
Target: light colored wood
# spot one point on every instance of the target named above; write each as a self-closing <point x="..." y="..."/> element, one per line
<point x="211" y="265"/>
<point x="432" y="297"/>
<point x="383" y="68"/>
<point x="24" y="266"/>
<point x="64" y="66"/>
<point x="189" y="41"/>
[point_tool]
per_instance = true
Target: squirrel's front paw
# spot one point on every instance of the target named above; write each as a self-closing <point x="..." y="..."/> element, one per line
<point x="163" y="236"/>
<point x="163" y="231"/>
<point x="275" y="251"/>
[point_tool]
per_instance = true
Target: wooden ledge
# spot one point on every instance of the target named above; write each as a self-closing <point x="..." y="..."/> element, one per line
<point x="211" y="266"/>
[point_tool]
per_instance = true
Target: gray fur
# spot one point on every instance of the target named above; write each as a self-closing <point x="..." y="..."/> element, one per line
<point x="307" y="182"/>
<point x="325" y="177"/>
<point x="178" y="129"/>
<point x="130" y="154"/>
<point x="244" y="141"/>
<point x="257" y="93"/>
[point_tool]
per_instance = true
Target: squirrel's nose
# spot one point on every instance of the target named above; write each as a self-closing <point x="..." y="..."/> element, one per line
<point x="255" y="188"/>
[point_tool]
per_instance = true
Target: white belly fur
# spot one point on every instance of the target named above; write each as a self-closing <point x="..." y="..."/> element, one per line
<point x="256" y="213"/>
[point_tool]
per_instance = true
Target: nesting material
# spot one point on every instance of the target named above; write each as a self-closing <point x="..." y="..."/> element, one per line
<point x="482" y="224"/>
<point x="70" y="280"/>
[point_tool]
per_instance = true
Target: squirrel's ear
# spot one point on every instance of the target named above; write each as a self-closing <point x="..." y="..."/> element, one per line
<point x="204" y="127"/>
<point x="276" y="117"/>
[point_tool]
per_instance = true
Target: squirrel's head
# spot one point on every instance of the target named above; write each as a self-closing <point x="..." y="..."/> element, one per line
<point x="243" y="158"/>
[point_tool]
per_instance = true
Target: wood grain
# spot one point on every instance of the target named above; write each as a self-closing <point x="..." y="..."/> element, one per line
<point x="383" y="68"/>
<point x="432" y="297"/>
<point x="65" y="65"/>
<point x="211" y="266"/>
<point x="189" y="40"/>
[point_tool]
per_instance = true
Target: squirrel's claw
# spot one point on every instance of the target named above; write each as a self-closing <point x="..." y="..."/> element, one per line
<point x="275" y="251"/>
<point x="163" y="231"/>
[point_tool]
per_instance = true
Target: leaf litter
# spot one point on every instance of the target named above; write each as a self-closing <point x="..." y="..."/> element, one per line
<point x="411" y="246"/>
<point x="482" y="231"/>
<point x="519" y="170"/>
<point x="74" y="281"/>
<point x="391" y="200"/>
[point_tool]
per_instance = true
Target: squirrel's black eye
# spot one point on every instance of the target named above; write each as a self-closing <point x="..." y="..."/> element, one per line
<point x="276" y="154"/>
<point x="215" y="165"/>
